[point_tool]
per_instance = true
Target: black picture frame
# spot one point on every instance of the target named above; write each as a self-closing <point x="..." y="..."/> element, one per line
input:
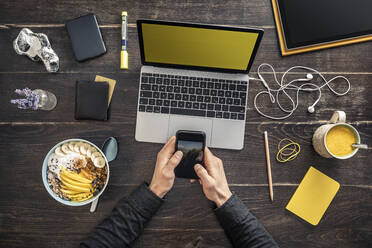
<point x="289" y="47"/>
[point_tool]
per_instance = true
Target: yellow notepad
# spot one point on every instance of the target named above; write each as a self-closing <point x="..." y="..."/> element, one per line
<point x="111" y="83"/>
<point x="313" y="196"/>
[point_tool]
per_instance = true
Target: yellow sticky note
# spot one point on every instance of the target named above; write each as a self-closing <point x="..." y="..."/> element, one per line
<point x="111" y="83"/>
<point x="313" y="196"/>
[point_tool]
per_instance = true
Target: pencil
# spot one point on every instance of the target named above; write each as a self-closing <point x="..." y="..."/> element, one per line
<point x="269" y="178"/>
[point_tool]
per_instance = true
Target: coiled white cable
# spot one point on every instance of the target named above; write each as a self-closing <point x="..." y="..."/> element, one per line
<point x="308" y="87"/>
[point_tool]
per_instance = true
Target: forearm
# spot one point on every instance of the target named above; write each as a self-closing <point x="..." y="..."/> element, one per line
<point x="127" y="220"/>
<point x="242" y="227"/>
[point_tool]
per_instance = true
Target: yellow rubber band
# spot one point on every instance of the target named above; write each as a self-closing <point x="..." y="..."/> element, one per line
<point x="288" y="151"/>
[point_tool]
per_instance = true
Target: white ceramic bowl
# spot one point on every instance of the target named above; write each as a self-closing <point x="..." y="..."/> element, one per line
<point x="45" y="175"/>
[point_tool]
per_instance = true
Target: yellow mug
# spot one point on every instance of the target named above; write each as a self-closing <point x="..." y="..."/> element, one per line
<point x="333" y="147"/>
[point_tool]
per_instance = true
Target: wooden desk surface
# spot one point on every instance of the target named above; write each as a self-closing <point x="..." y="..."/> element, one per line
<point x="29" y="217"/>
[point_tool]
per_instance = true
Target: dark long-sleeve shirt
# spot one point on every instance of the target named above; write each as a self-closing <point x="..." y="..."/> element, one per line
<point x="241" y="226"/>
<point x="127" y="221"/>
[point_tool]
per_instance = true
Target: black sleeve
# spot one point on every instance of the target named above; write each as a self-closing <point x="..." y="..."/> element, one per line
<point x="241" y="226"/>
<point x="127" y="220"/>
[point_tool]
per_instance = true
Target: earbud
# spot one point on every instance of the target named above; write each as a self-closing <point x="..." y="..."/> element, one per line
<point x="311" y="109"/>
<point x="309" y="76"/>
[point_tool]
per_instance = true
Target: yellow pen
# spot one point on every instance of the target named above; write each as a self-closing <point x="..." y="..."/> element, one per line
<point x="124" y="36"/>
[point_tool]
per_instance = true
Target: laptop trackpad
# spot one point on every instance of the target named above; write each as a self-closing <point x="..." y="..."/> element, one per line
<point x="190" y="123"/>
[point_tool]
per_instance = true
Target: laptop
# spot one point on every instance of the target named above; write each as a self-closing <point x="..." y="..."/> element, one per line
<point x="194" y="77"/>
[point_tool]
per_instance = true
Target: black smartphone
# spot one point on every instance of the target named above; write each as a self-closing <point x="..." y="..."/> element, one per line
<point x="192" y="144"/>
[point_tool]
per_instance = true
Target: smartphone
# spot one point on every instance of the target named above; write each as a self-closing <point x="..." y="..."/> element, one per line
<point x="192" y="144"/>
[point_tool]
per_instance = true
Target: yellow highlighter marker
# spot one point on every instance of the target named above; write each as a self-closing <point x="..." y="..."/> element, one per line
<point x="124" y="52"/>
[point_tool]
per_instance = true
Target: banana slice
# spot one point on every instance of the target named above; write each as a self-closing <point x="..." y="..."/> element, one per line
<point x="65" y="148"/>
<point x="71" y="145"/>
<point x="84" y="148"/>
<point x="90" y="151"/>
<point x="77" y="147"/>
<point x="59" y="152"/>
<point x="99" y="162"/>
<point x="95" y="155"/>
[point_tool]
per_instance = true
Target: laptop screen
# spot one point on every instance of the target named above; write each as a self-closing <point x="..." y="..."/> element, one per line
<point x="186" y="45"/>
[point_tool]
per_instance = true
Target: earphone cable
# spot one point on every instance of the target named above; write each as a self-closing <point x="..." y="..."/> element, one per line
<point x="306" y="87"/>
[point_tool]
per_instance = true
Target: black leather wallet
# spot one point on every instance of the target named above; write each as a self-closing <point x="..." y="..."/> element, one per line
<point x="91" y="100"/>
<point x="86" y="38"/>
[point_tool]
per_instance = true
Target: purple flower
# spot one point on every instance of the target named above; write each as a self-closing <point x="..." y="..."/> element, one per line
<point x="28" y="92"/>
<point x="19" y="92"/>
<point x="31" y="100"/>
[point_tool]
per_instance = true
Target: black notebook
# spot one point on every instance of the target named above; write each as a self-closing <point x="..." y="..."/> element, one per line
<point x="86" y="38"/>
<point x="91" y="100"/>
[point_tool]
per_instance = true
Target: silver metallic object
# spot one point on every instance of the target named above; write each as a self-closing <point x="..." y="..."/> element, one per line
<point x="110" y="149"/>
<point x="220" y="133"/>
<point x="360" y="146"/>
<point x="37" y="47"/>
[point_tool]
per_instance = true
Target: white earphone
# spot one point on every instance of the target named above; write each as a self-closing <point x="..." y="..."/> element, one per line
<point x="309" y="76"/>
<point x="307" y="87"/>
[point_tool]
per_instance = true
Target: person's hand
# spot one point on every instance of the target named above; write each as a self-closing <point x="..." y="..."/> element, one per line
<point x="163" y="178"/>
<point x="213" y="179"/>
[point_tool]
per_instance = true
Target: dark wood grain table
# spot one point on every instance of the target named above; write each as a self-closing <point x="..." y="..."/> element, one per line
<point x="29" y="217"/>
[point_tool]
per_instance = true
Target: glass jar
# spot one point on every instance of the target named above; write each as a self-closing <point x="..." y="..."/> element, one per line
<point x="47" y="100"/>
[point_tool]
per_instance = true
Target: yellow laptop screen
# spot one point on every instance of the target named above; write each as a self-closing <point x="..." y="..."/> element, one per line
<point x="197" y="46"/>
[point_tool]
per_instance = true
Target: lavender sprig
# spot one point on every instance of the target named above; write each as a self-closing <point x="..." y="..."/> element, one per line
<point x="19" y="92"/>
<point x="31" y="101"/>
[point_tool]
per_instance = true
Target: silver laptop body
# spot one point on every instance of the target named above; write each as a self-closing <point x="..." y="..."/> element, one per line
<point x="220" y="133"/>
<point x="223" y="128"/>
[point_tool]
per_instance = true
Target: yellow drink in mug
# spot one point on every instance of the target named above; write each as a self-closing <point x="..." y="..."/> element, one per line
<point x="336" y="138"/>
<point x="339" y="140"/>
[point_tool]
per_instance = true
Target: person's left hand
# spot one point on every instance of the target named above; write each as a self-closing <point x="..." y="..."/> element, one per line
<point x="163" y="178"/>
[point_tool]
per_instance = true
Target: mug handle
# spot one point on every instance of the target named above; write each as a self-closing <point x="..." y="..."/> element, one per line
<point x="337" y="117"/>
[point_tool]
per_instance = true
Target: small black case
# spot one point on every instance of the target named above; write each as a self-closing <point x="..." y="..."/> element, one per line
<point x="91" y="100"/>
<point x="86" y="38"/>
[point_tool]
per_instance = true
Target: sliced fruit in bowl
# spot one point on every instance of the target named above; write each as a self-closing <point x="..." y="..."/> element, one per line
<point x="75" y="172"/>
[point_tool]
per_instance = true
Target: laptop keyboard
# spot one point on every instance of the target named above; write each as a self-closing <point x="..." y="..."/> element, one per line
<point x="184" y="95"/>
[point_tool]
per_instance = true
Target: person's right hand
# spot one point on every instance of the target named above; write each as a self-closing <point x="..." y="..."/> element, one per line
<point x="213" y="179"/>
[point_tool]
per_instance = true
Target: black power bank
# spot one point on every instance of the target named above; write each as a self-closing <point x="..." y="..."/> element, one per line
<point x="86" y="38"/>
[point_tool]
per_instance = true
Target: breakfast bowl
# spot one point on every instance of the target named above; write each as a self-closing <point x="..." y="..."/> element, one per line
<point x="75" y="172"/>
